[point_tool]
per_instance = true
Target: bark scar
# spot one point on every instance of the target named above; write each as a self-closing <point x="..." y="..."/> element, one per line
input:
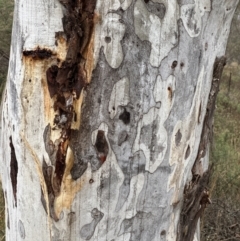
<point x="66" y="80"/>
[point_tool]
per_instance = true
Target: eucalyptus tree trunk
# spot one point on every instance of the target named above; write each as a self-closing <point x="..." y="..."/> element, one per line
<point x="107" y="115"/>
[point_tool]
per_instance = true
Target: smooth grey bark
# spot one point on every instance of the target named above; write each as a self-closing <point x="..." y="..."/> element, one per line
<point x="105" y="117"/>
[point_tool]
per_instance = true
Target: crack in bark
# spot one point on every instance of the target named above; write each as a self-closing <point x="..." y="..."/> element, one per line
<point x="196" y="195"/>
<point x="13" y="170"/>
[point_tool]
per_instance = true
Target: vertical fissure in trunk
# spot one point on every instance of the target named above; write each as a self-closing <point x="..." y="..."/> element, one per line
<point x="13" y="170"/>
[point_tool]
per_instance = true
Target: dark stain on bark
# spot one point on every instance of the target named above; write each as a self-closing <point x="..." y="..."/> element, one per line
<point x="108" y="39"/>
<point x="125" y="116"/>
<point x="170" y="93"/>
<point x="101" y="146"/>
<point x="199" y="113"/>
<point x="38" y="53"/>
<point x="187" y="152"/>
<point x="174" y="64"/>
<point x="178" y="137"/>
<point x="163" y="233"/>
<point x="91" y="181"/>
<point x="51" y="80"/>
<point x="13" y="170"/>
<point x="71" y="218"/>
<point x="196" y="194"/>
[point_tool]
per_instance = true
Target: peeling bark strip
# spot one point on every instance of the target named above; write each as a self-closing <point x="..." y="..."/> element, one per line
<point x="196" y="195"/>
<point x="13" y="170"/>
<point x="196" y="198"/>
<point x="65" y="83"/>
<point x="78" y="26"/>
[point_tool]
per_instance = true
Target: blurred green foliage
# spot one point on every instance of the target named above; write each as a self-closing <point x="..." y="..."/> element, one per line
<point x="233" y="48"/>
<point x="6" y="15"/>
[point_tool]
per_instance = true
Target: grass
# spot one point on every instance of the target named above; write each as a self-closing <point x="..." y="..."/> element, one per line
<point x="6" y="15"/>
<point x="226" y="153"/>
<point x="222" y="218"/>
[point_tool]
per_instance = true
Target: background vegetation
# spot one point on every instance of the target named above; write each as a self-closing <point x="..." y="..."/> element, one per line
<point x="6" y="15"/>
<point x="222" y="218"/>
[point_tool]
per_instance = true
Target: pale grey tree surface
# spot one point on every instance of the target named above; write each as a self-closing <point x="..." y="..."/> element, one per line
<point x="107" y="115"/>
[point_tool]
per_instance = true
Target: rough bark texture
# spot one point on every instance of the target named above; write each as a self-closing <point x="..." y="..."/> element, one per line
<point x="106" y="117"/>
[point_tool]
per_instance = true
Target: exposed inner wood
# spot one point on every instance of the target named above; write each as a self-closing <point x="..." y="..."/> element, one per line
<point x="65" y="83"/>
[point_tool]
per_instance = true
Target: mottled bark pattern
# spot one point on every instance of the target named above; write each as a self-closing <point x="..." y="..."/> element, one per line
<point x="108" y="106"/>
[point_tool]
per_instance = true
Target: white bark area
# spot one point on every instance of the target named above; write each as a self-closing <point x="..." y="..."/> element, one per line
<point x="146" y="100"/>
